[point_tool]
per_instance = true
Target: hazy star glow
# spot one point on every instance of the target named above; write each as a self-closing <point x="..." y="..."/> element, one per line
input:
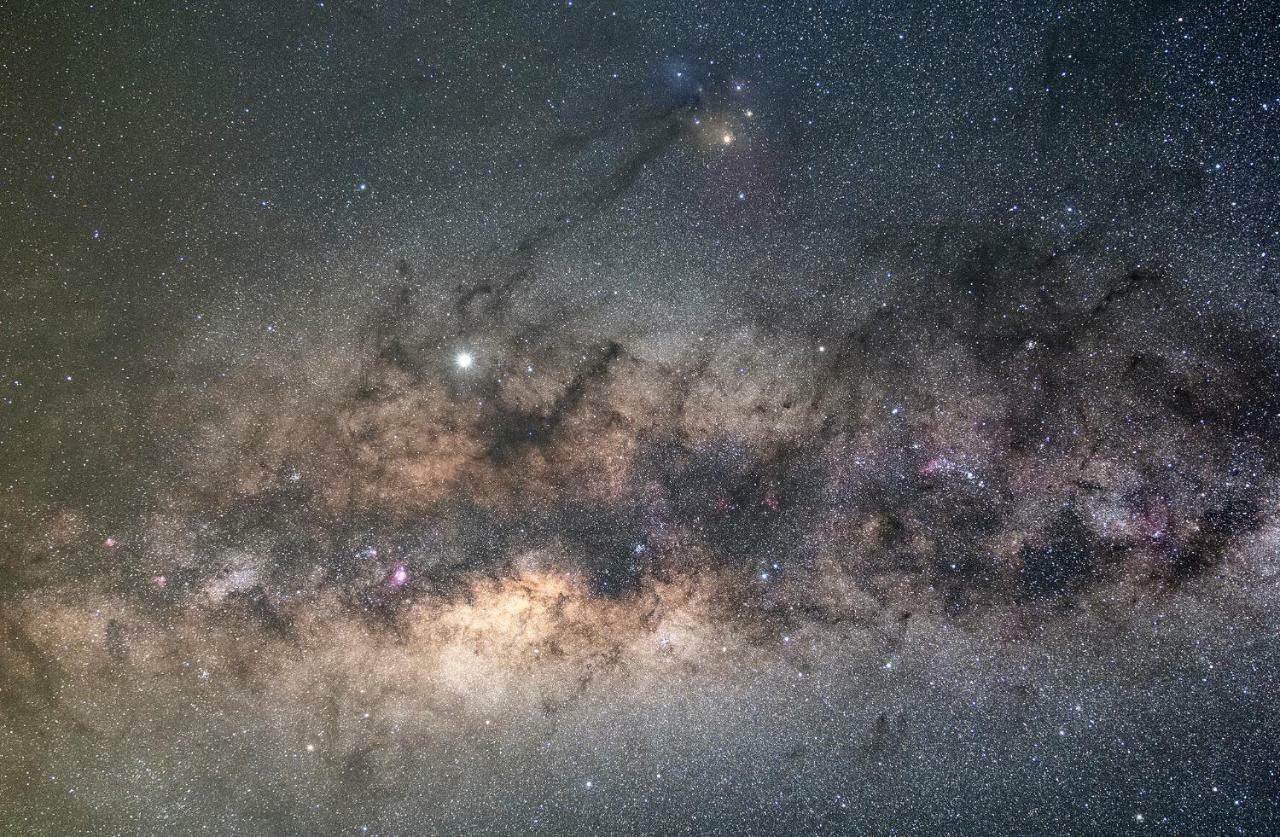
<point x="644" y="418"/>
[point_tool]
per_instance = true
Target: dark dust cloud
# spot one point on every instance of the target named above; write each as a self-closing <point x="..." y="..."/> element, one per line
<point x="617" y="418"/>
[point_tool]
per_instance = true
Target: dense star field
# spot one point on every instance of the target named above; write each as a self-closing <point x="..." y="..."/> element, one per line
<point x="639" y="418"/>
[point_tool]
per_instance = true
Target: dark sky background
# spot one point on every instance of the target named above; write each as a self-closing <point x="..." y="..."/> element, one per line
<point x="618" y="418"/>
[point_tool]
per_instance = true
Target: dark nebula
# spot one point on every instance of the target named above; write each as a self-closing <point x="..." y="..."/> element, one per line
<point x="663" y="418"/>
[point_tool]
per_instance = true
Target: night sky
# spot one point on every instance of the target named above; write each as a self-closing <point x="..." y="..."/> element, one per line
<point x="664" y="417"/>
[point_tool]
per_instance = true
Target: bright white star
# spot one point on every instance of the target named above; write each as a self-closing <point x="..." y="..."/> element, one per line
<point x="464" y="360"/>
